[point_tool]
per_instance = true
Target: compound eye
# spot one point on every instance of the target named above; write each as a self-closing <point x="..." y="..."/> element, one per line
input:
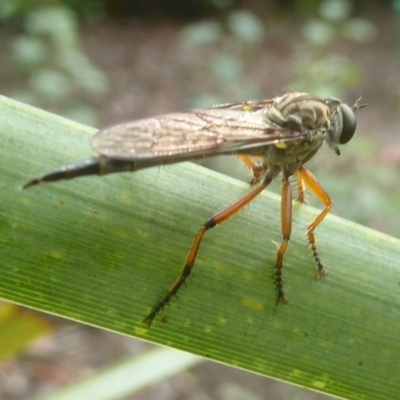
<point x="347" y="123"/>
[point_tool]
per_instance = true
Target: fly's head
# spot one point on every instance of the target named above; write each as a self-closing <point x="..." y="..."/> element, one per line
<point x="304" y="112"/>
<point x="343" y="123"/>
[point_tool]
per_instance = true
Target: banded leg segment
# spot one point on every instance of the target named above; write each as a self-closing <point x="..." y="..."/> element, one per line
<point x="215" y="220"/>
<point x="319" y="192"/>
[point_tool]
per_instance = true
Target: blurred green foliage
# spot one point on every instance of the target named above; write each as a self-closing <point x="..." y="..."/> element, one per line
<point x="15" y="12"/>
<point x="222" y="50"/>
<point x="316" y="54"/>
<point x="230" y="43"/>
<point x="47" y="63"/>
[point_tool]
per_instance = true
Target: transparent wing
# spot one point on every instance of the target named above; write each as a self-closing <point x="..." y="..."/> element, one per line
<point x="248" y="105"/>
<point x="224" y="129"/>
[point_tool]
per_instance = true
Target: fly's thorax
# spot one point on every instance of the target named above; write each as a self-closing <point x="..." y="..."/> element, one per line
<point x="302" y="111"/>
<point x="292" y="156"/>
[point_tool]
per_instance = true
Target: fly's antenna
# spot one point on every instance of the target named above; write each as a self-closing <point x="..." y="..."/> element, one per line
<point x="357" y="105"/>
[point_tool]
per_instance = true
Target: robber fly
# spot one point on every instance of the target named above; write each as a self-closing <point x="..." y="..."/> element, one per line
<point x="272" y="137"/>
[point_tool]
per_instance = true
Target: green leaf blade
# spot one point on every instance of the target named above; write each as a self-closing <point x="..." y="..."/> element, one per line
<point x="103" y="250"/>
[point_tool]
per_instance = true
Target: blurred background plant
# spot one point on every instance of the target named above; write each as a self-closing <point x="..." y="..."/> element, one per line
<point x="220" y="52"/>
<point x="99" y="62"/>
<point x="316" y="55"/>
<point x="46" y="63"/>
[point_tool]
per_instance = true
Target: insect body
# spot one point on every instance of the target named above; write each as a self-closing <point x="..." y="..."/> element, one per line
<point x="272" y="137"/>
<point x="302" y="111"/>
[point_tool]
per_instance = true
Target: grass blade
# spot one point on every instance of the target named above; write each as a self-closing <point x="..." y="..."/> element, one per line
<point x="102" y="250"/>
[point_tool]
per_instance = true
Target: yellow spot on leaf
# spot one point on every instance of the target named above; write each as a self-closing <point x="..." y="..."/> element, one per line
<point x="123" y="233"/>
<point x="57" y="255"/>
<point x="140" y="331"/>
<point x="318" y="384"/>
<point x="252" y="303"/>
<point x="125" y="199"/>
<point x="26" y="201"/>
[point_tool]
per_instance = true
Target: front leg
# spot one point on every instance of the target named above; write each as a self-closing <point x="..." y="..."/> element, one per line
<point x="286" y="227"/>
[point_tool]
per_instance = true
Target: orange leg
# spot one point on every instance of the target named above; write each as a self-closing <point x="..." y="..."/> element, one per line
<point x="319" y="192"/>
<point x="301" y="189"/>
<point x="256" y="167"/>
<point x="286" y="227"/>
<point x="215" y="220"/>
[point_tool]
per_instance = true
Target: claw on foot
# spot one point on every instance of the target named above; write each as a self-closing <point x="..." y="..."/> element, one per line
<point x="281" y="299"/>
<point x="149" y="318"/>
<point x="154" y="312"/>
<point x="321" y="272"/>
